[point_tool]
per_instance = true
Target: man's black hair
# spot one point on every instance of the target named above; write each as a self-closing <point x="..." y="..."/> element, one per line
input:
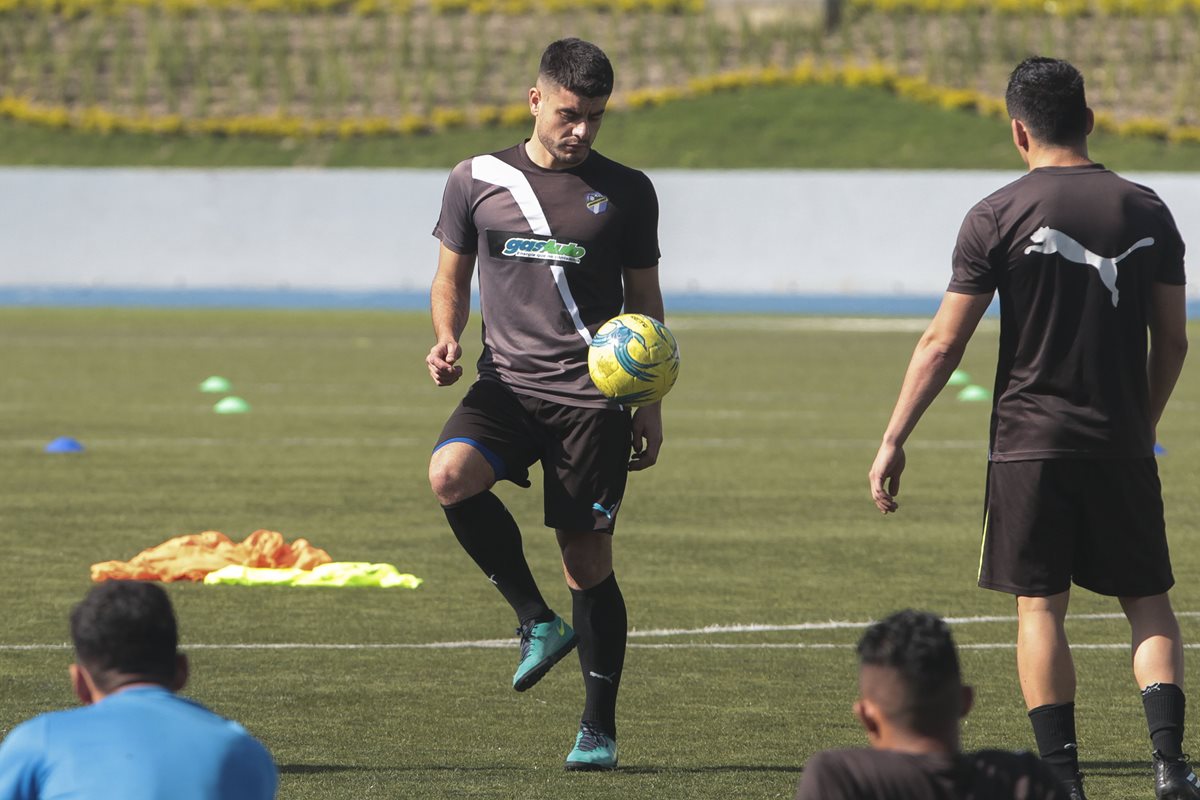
<point x="1047" y="95"/>
<point x="918" y="648"/>
<point x="577" y="66"/>
<point x="125" y="631"/>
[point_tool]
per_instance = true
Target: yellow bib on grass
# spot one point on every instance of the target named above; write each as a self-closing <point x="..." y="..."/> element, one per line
<point x="338" y="573"/>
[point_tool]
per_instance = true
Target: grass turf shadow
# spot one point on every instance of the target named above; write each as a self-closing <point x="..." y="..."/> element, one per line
<point x="650" y="769"/>
<point x="1116" y="768"/>
<point x="315" y="769"/>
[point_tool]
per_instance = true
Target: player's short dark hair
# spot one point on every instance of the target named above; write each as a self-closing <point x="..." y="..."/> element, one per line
<point x="577" y="66"/>
<point x="123" y="630"/>
<point x="1046" y="94"/>
<point x="918" y="647"/>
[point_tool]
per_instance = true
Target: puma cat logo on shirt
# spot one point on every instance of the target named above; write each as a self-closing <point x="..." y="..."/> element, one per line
<point x="1049" y="240"/>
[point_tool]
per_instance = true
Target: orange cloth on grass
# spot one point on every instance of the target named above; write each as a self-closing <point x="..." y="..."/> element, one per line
<point x="191" y="557"/>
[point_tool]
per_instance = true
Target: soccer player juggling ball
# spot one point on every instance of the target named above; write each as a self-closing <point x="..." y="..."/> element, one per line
<point x="1086" y="265"/>
<point x="563" y="238"/>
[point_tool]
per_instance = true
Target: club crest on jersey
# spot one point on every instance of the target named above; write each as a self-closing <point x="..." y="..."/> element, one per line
<point x="596" y="202"/>
<point x="544" y="249"/>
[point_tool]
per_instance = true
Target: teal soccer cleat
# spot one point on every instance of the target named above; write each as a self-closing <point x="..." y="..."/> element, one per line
<point x="543" y="644"/>
<point x="594" y="750"/>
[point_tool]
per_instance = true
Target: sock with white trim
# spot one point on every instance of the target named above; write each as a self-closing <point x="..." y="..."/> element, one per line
<point x="1054" y="730"/>
<point x="1164" y="705"/>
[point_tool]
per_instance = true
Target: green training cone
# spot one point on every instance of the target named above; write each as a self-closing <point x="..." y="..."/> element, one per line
<point x="974" y="394"/>
<point x="232" y="405"/>
<point x="959" y="378"/>
<point x="215" y="384"/>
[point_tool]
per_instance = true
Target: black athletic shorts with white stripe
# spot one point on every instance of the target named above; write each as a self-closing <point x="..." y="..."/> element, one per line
<point x="1095" y="522"/>
<point x="584" y="451"/>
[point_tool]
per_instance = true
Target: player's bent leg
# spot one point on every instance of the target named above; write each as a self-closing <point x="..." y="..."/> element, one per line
<point x="598" y="611"/>
<point x="462" y="478"/>
<point x="1047" y="674"/>
<point x="1157" y="652"/>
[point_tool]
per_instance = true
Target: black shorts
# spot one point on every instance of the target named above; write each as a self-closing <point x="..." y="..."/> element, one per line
<point x="1097" y="522"/>
<point x="584" y="451"/>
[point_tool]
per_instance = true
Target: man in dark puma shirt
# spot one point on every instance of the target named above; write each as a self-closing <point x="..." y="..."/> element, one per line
<point x="1093" y="333"/>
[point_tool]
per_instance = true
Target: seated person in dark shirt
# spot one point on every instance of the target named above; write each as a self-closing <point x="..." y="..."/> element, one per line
<point x="911" y="699"/>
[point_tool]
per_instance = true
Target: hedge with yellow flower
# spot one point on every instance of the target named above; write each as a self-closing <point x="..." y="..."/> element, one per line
<point x="808" y="72"/>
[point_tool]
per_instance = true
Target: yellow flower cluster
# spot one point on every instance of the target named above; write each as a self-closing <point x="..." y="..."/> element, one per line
<point x="276" y="126"/>
<point x="917" y="89"/>
<point x="1060" y="8"/>
<point x="515" y="7"/>
<point x="77" y="8"/>
<point x="805" y="73"/>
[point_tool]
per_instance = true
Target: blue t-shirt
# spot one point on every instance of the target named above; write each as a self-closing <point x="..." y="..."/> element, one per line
<point x="141" y="743"/>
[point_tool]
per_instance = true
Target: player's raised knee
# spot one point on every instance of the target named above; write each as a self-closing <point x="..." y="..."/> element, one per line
<point x="446" y="480"/>
<point x="455" y="475"/>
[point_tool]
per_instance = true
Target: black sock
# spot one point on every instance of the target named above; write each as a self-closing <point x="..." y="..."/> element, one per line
<point x="600" y="621"/>
<point x="491" y="537"/>
<point x="1054" y="730"/>
<point x="1164" y="704"/>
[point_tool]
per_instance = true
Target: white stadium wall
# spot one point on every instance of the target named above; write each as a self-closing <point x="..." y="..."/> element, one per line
<point x="786" y="232"/>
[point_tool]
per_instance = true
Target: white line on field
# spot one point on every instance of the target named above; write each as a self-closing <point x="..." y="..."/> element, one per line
<point x="691" y="322"/>
<point x="833" y="625"/>
<point x="125" y="342"/>
<point x="198" y="441"/>
<point x="504" y="644"/>
<point x="144" y="442"/>
<point x="776" y="442"/>
<point x="850" y="645"/>
<point x="805" y="324"/>
<point x="493" y="644"/>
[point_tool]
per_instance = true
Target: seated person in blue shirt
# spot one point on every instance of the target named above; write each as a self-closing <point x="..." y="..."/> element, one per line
<point x="134" y="738"/>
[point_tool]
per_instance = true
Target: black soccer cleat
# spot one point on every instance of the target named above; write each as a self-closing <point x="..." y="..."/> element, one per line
<point x="1174" y="778"/>
<point x="1073" y="789"/>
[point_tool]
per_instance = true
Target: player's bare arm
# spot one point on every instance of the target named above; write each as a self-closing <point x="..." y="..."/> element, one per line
<point x="937" y="354"/>
<point x="450" y="304"/>
<point x="643" y="295"/>
<point x="1168" y="344"/>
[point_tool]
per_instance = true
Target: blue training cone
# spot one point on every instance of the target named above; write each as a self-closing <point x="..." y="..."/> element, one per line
<point x="1159" y="450"/>
<point x="64" y="444"/>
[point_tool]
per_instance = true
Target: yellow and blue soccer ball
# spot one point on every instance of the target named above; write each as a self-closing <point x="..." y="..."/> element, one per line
<point x="634" y="360"/>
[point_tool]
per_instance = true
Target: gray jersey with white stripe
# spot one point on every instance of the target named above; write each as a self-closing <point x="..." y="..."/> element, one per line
<point x="551" y="246"/>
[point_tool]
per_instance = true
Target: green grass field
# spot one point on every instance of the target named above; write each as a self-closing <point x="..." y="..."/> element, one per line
<point x="790" y="127"/>
<point x="757" y="514"/>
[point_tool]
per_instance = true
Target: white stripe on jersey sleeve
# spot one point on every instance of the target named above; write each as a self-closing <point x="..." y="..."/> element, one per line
<point x="490" y="169"/>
